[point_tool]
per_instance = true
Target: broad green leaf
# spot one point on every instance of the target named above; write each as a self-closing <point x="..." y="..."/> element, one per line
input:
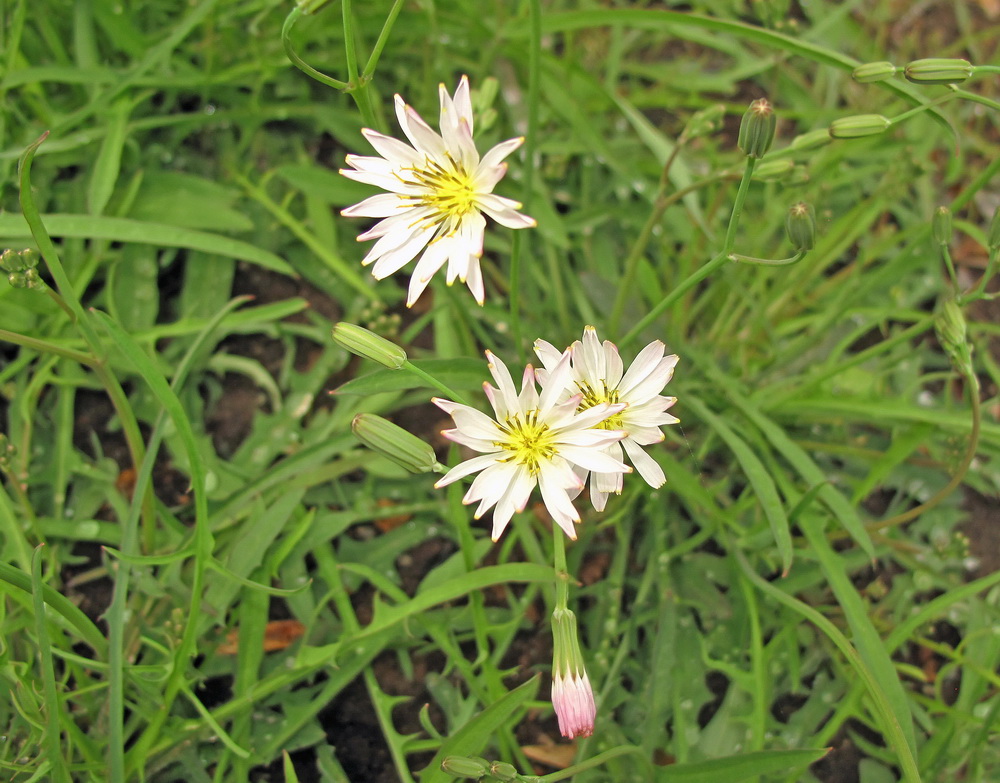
<point x="180" y="199"/>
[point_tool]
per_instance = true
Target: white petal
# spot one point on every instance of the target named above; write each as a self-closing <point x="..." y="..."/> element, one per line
<point x="430" y="262"/>
<point x="419" y="132"/>
<point x="594" y="460"/>
<point x="393" y="150"/>
<point x="505" y="386"/>
<point x="548" y="354"/>
<point x="463" y="469"/>
<point x="493" y="158"/>
<point x="592" y="357"/>
<point x="647" y="467"/>
<point x="505" y="216"/>
<point x="396" y="259"/>
<point x="613" y="363"/>
<point x="474" y="280"/>
<point x="380" y="206"/>
<point x="558" y="504"/>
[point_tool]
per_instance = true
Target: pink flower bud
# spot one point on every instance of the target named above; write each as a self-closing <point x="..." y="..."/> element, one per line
<point x="573" y="700"/>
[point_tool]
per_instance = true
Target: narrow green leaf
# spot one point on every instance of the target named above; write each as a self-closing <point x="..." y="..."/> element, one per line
<point x="107" y="166"/>
<point x="115" y="229"/>
<point x="459" y="374"/>
<point x="756" y="473"/>
<point x="733" y="769"/>
<point x="473" y="736"/>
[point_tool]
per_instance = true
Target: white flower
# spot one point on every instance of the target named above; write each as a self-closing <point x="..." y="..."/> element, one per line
<point x="438" y="191"/>
<point x="597" y="379"/>
<point x="535" y="440"/>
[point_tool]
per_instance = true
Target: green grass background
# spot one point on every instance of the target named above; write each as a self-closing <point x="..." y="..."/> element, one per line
<point x="188" y="162"/>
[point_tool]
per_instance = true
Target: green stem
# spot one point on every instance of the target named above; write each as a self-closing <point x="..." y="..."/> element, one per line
<point x="534" y="50"/>
<point x="297" y="61"/>
<point x="44" y="346"/>
<point x="951" y="486"/>
<point x="737" y="213"/>
<point x="595" y="761"/>
<point x="430" y="380"/>
<point x="383" y="38"/>
<point x="721" y="259"/>
<point x="559" y="565"/>
<point x="70" y="302"/>
<point x="660" y="205"/>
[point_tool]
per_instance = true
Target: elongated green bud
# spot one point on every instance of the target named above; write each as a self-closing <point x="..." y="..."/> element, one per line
<point x="949" y="324"/>
<point x="392" y="441"/>
<point x="811" y="140"/>
<point x="773" y="169"/>
<point x="800" y="225"/>
<point x="464" y="767"/>
<point x="941" y="225"/>
<point x="993" y="238"/>
<point x="874" y="72"/>
<point x="938" y="71"/>
<point x="858" y="125"/>
<point x="362" y="342"/>
<point x="501" y="770"/>
<point x="757" y="129"/>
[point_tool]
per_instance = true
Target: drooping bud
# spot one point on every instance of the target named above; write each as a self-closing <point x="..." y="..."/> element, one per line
<point x="572" y="696"/>
<point x="937" y="70"/>
<point x="941" y="225"/>
<point x="463" y="767"/>
<point x="873" y="72"/>
<point x="757" y="129"/>
<point x="949" y="324"/>
<point x="392" y="441"/>
<point x="858" y="125"/>
<point x="800" y="225"/>
<point x="362" y="342"/>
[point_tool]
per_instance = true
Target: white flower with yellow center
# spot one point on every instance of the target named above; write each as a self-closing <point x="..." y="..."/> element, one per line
<point x="439" y="190"/>
<point x="534" y="440"/>
<point x="597" y="378"/>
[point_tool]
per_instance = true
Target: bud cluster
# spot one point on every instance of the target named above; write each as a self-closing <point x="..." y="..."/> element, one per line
<point x="20" y="269"/>
<point x="477" y="768"/>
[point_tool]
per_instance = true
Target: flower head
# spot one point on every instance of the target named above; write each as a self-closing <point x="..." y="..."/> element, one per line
<point x="572" y="696"/>
<point x="597" y="378"/>
<point x="439" y="189"/>
<point x="534" y="440"/>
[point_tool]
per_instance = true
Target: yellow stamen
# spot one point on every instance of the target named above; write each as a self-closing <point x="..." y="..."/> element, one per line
<point x="592" y="397"/>
<point x="450" y="191"/>
<point x="528" y="442"/>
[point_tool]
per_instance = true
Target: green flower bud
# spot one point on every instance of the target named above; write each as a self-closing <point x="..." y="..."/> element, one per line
<point x="949" y="324"/>
<point x="941" y="225"/>
<point x="938" y="71"/>
<point x="33" y="281"/>
<point x="704" y="122"/>
<point x="29" y="258"/>
<point x="362" y="342"/>
<point x="874" y="72"/>
<point x="757" y="129"/>
<point x="773" y="169"/>
<point x="858" y="125"/>
<point x="17" y="280"/>
<point x="800" y="225"/>
<point x="993" y="238"/>
<point x="391" y="441"/>
<point x="501" y="770"/>
<point x="462" y="767"/>
<point x="811" y="140"/>
<point x="10" y="261"/>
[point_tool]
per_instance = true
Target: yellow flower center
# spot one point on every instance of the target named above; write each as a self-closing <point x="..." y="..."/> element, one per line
<point x="592" y="397"/>
<point x="528" y="442"/>
<point x="451" y="191"/>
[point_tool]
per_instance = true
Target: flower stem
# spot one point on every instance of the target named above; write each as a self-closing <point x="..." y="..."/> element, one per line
<point x="721" y="259"/>
<point x="559" y="564"/>
<point x="432" y="381"/>
<point x="297" y="61"/>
